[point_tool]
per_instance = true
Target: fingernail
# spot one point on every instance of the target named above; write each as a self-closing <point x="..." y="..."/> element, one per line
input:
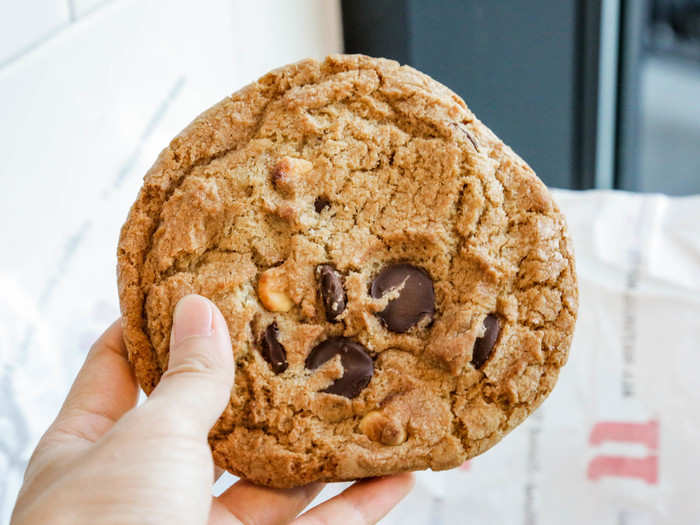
<point x="192" y="318"/>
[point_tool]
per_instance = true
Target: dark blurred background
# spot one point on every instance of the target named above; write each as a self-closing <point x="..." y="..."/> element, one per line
<point x="592" y="93"/>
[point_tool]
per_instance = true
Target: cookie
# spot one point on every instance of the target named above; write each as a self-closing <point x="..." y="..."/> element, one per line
<point x="398" y="284"/>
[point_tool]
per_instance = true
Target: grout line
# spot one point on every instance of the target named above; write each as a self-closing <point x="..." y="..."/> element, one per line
<point x="145" y="135"/>
<point x="33" y="46"/>
<point x="53" y="33"/>
<point x="71" y="10"/>
<point x="71" y="245"/>
<point x="100" y="5"/>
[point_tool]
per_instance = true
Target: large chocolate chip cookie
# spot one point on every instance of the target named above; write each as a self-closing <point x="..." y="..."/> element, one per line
<point x="398" y="284"/>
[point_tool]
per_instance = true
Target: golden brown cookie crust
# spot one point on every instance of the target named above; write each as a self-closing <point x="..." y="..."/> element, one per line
<point x="410" y="175"/>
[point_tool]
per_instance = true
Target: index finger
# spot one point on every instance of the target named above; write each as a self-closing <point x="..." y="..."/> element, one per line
<point x="254" y="505"/>
<point x="364" y="503"/>
<point x="104" y="389"/>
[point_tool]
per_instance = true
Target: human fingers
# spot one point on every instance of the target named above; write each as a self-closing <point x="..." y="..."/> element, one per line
<point x="197" y="385"/>
<point x="104" y="389"/>
<point x="255" y="505"/>
<point x="364" y="503"/>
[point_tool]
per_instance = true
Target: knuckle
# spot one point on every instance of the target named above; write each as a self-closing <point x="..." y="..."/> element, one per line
<point x="197" y="365"/>
<point x="200" y="367"/>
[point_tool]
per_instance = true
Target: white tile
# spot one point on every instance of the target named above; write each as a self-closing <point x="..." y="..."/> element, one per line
<point x="83" y="116"/>
<point x="82" y="7"/>
<point x="276" y="32"/>
<point x="23" y="23"/>
<point x="76" y="108"/>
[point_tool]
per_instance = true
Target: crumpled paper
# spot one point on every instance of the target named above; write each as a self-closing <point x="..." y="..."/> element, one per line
<point x="615" y="443"/>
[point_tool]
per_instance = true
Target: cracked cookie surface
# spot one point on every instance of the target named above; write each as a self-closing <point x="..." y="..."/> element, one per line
<point x="398" y="284"/>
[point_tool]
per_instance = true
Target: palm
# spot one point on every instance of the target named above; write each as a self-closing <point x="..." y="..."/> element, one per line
<point x="140" y="466"/>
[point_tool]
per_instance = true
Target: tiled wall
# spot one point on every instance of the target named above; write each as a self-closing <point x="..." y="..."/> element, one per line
<point x="91" y="91"/>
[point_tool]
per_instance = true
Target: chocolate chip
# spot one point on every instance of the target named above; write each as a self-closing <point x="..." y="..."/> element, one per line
<point x="320" y="203"/>
<point x="483" y="347"/>
<point x="332" y="292"/>
<point x="272" y="350"/>
<point x="358" y="366"/>
<point x="416" y="300"/>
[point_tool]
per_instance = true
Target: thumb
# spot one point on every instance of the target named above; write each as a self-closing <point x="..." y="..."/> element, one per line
<point x="197" y="384"/>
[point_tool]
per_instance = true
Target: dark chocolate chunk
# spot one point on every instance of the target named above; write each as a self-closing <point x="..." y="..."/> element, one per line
<point x="358" y="366"/>
<point x="416" y="300"/>
<point x="483" y="347"/>
<point x="320" y="203"/>
<point x="272" y="350"/>
<point x="332" y="292"/>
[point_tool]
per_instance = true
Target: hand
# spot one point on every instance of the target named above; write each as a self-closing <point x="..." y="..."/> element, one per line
<point x="104" y="461"/>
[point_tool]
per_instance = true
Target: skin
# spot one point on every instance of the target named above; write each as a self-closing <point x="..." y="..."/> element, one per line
<point x="106" y="461"/>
